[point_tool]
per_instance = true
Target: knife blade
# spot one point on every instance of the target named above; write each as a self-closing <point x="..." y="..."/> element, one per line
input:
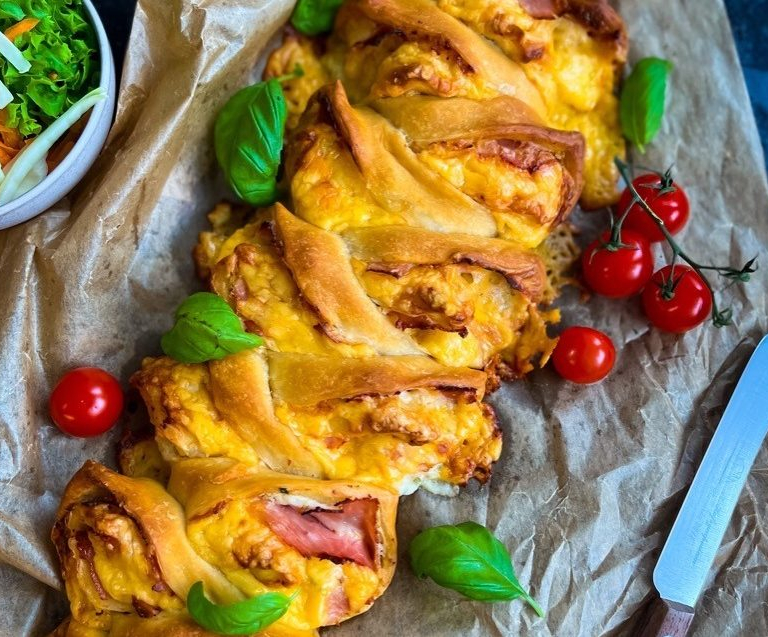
<point x="697" y="533"/>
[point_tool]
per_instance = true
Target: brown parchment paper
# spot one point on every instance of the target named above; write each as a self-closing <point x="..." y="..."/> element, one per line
<point x="590" y="478"/>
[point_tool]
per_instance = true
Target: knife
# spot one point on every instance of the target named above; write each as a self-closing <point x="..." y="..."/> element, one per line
<point x="692" y="544"/>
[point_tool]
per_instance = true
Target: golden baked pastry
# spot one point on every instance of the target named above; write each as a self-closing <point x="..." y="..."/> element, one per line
<point x="409" y="281"/>
<point x="330" y="543"/>
<point x="464" y="300"/>
<point x="398" y="421"/>
<point x="573" y="51"/>
<point x="130" y="552"/>
<point x="483" y="168"/>
<point x="561" y="58"/>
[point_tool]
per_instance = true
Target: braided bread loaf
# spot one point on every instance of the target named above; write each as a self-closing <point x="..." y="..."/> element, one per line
<point x="432" y="147"/>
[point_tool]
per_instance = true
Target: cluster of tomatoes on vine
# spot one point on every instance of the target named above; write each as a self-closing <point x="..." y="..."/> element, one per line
<point x="620" y="264"/>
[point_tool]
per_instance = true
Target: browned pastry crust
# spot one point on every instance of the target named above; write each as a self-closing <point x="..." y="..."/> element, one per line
<point x="138" y="456"/>
<point x="308" y="380"/>
<point x="99" y="503"/>
<point x="396" y="249"/>
<point x="600" y="18"/>
<point x="473" y="55"/>
<point x="348" y="416"/>
<point x="158" y="561"/>
<point x="423" y="282"/>
<point x="179" y="625"/>
<point x="319" y="263"/>
<point x="502" y="125"/>
<point x="445" y="150"/>
<point x="377" y="165"/>
<point x="393" y="176"/>
<point x="239" y="389"/>
<point x="212" y="490"/>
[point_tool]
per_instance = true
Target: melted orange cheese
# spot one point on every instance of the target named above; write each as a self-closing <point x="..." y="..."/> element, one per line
<point x="575" y="73"/>
<point x="494" y="311"/>
<point x="273" y="302"/>
<point x="239" y="541"/>
<point x="394" y="440"/>
<point x="524" y="202"/>
<point x="187" y="423"/>
<point x="419" y="67"/>
<point x="297" y="51"/>
<point x="112" y="551"/>
<point x="328" y="191"/>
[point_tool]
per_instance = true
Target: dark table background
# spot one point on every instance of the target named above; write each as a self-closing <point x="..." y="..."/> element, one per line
<point x="749" y="20"/>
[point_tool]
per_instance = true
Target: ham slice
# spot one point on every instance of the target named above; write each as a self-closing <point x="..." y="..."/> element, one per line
<point x="346" y="533"/>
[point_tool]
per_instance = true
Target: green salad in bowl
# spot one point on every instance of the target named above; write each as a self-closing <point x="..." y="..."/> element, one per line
<point x="49" y="80"/>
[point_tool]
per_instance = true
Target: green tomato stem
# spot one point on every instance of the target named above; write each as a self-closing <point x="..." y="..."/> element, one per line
<point x="720" y="319"/>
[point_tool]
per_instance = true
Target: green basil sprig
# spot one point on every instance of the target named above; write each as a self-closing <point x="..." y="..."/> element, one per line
<point x="642" y="101"/>
<point x="241" y="618"/>
<point x="313" y="17"/>
<point x="248" y="138"/>
<point x="469" y="559"/>
<point x="206" y="329"/>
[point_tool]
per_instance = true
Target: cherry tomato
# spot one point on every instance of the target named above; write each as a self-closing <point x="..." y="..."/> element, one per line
<point x="621" y="272"/>
<point x="583" y="355"/>
<point x="670" y="206"/>
<point x="677" y="305"/>
<point x="86" y="402"/>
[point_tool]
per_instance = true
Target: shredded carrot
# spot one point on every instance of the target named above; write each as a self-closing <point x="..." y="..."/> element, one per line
<point x="62" y="148"/>
<point x="5" y="157"/>
<point x="21" y="27"/>
<point x="11" y="141"/>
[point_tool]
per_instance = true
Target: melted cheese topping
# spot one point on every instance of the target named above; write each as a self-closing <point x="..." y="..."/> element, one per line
<point x="575" y="73"/>
<point x="524" y="202"/>
<point x="191" y="425"/>
<point x="273" y="302"/>
<point x="420" y="67"/>
<point x="297" y="50"/>
<point x="493" y="312"/>
<point x="328" y="190"/>
<point x="386" y="440"/>
<point x="533" y="343"/>
<point x="239" y="541"/>
<point x="390" y="439"/>
<point x="118" y="559"/>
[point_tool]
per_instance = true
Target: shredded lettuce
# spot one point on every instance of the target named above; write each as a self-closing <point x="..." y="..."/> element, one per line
<point x="62" y="51"/>
<point x="38" y="148"/>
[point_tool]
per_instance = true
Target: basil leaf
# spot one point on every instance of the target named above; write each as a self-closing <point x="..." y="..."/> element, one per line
<point x="313" y="17"/>
<point x="241" y="618"/>
<point x="206" y="329"/>
<point x="469" y="559"/>
<point x="248" y="138"/>
<point x="642" y="101"/>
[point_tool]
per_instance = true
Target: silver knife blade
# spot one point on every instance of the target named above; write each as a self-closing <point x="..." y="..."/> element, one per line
<point x="698" y="531"/>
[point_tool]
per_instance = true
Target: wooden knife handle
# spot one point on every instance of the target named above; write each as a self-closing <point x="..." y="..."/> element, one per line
<point x="663" y="620"/>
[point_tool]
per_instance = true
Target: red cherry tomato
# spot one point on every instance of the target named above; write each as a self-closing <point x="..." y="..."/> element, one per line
<point x="584" y="355"/>
<point x="621" y="272"/>
<point x="671" y="207"/>
<point x="86" y="402"/>
<point x="677" y="305"/>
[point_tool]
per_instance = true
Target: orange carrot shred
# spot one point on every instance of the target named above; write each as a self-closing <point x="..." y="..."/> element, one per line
<point x="21" y="27"/>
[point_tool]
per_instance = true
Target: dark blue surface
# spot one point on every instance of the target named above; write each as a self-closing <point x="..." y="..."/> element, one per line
<point x="749" y="20"/>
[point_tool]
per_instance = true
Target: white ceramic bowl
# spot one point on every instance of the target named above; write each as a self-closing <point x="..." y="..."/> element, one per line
<point x="74" y="166"/>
